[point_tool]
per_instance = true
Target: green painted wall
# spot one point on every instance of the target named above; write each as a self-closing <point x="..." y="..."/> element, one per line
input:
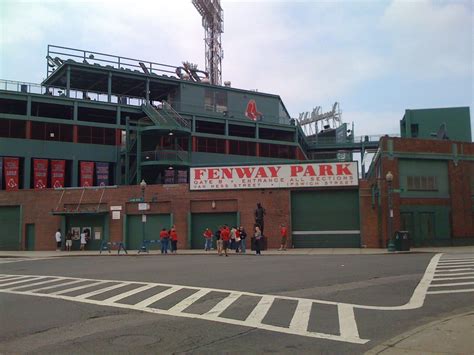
<point x="321" y="210"/>
<point x="10" y="222"/>
<point x="153" y="225"/>
<point x="457" y="119"/>
<point x="201" y="221"/>
<point x="202" y="159"/>
<point x="417" y="226"/>
<point x="419" y="167"/>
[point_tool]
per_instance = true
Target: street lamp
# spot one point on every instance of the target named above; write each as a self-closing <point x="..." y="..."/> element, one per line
<point x="391" y="242"/>
<point x="142" y="188"/>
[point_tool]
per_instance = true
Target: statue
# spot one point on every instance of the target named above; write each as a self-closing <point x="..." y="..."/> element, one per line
<point x="259" y="216"/>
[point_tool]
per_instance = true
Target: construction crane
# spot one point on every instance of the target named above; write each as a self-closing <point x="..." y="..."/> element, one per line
<point x="213" y="23"/>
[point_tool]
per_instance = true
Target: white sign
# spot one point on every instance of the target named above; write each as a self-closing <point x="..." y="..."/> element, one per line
<point x="115" y="214"/>
<point x="143" y="218"/>
<point x="274" y="176"/>
<point x="115" y="208"/>
<point x="143" y="206"/>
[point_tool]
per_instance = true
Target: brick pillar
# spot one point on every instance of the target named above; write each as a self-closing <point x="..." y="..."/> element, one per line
<point x="28" y="129"/>
<point x="74" y="134"/>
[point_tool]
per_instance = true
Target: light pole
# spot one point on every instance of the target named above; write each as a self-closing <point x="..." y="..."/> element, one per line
<point x="391" y="243"/>
<point x="142" y="188"/>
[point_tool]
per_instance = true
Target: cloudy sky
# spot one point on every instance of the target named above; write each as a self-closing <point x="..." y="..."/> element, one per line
<point x="376" y="58"/>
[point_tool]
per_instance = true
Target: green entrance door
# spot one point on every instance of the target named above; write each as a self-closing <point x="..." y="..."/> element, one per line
<point x="201" y="221"/>
<point x="426" y="228"/>
<point x="150" y="229"/>
<point x="325" y="219"/>
<point x="93" y="225"/>
<point x="30" y="237"/>
<point x="10" y="228"/>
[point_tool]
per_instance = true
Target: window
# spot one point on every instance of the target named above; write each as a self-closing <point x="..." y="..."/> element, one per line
<point x="414" y="130"/>
<point x="215" y="100"/>
<point x="422" y="183"/>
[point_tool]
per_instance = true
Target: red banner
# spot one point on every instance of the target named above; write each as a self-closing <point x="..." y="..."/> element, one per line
<point x="87" y="173"/>
<point x="58" y="168"/>
<point x="11" y="167"/>
<point x="40" y="173"/>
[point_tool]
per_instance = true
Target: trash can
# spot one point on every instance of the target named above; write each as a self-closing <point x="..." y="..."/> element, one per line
<point x="402" y="241"/>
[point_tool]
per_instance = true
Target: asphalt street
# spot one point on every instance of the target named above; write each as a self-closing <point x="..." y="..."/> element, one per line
<point x="263" y="302"/>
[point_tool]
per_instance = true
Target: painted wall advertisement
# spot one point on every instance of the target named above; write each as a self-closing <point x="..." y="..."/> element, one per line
<point x="11" y="167"/>
<point x="102" y="174"/>
<point x="87" y="173"/>
<point x="40" y="173"/>
<point x="58" y="168"/>
<point x="274" y="176"/>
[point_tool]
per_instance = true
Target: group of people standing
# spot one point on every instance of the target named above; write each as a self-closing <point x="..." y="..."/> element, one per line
<point x="167" y="236"/>
<point x="233" y="238"/>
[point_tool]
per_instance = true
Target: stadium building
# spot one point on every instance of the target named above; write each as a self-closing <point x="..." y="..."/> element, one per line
<point x="124" y="147"/>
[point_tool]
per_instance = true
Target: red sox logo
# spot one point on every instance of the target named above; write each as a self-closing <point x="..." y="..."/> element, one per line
<point x="252" y="112"/>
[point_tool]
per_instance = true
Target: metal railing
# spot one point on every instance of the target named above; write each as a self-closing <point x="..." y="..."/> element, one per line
<point x="168" y="109"/>
<point x="107" y="60"/>
<point x="57" y="91"/>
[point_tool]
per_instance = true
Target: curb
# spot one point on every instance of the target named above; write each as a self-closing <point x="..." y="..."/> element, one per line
<point x="391" y="343"/>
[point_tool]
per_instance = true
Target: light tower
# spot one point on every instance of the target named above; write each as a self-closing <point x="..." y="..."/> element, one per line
<point x="213" y="23"/>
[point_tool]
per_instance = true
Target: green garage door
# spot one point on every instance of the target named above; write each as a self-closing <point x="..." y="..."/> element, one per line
<point x="151" y="228"/>
<point x="325" y="219"/>
<point x="201" y="221"/>
<point x="10" y="228"/>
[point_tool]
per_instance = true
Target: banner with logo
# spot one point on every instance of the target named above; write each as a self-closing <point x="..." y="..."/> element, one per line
<point x="1" y="173"/>
<point x="87" y="173"/>
<point x="40" y="173"/>
<point x="58" y="169"/>
<point x="102" y="174"/>
<point x="11" y="167"/>
<point x="274" y="176"/>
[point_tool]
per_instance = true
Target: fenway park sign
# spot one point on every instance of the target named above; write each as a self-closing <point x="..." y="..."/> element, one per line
<point x="274" y="176"/>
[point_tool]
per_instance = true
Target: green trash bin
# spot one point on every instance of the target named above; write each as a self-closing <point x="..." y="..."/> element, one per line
<point x="402" y="241"/>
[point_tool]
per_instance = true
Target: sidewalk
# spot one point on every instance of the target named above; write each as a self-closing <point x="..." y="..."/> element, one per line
<point x="315" y="251"/>
<point x="452" y="335"/>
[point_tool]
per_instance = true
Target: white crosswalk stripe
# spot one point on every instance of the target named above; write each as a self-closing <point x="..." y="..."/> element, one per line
<point x="453" y="275"/>
<point x="298" y="325"/>
<point x="17" y="260"/>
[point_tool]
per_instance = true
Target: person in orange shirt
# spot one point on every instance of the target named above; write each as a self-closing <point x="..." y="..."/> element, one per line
<point x="225" y="237"/>
<point x="164" y="238"/>
<point x="284" y="236"/>
<point x="174" y="240"/>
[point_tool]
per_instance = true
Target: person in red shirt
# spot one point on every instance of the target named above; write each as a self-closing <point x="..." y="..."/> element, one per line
<point x="207" y="239"/>
<point x="225" y="237"/>
<point x="174" y="240"/>
<point x="284" y="236"/>
<point x="164" y="239"/>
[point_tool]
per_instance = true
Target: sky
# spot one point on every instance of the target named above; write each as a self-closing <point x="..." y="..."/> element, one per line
<point x="375" y="57"/>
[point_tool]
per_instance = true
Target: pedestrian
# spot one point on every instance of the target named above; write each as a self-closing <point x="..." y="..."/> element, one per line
<point x="258" y="240"/>
<point x="225" y="237"/>
<point x="207" y="239"/>
<point x="232" y="238"/>
<point x="237" y="239"/>
<point x="284" y="236"/>
<point x="69" y="241"/>
<point x="164" y="238"/>
<point x="83" y="240"/>
<point x="217" y="234"/>
<point x="243" y="237"/>
<point x="174" y="240"/>
<point x="57" y="236"/>
<point x="170" y="244"/>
